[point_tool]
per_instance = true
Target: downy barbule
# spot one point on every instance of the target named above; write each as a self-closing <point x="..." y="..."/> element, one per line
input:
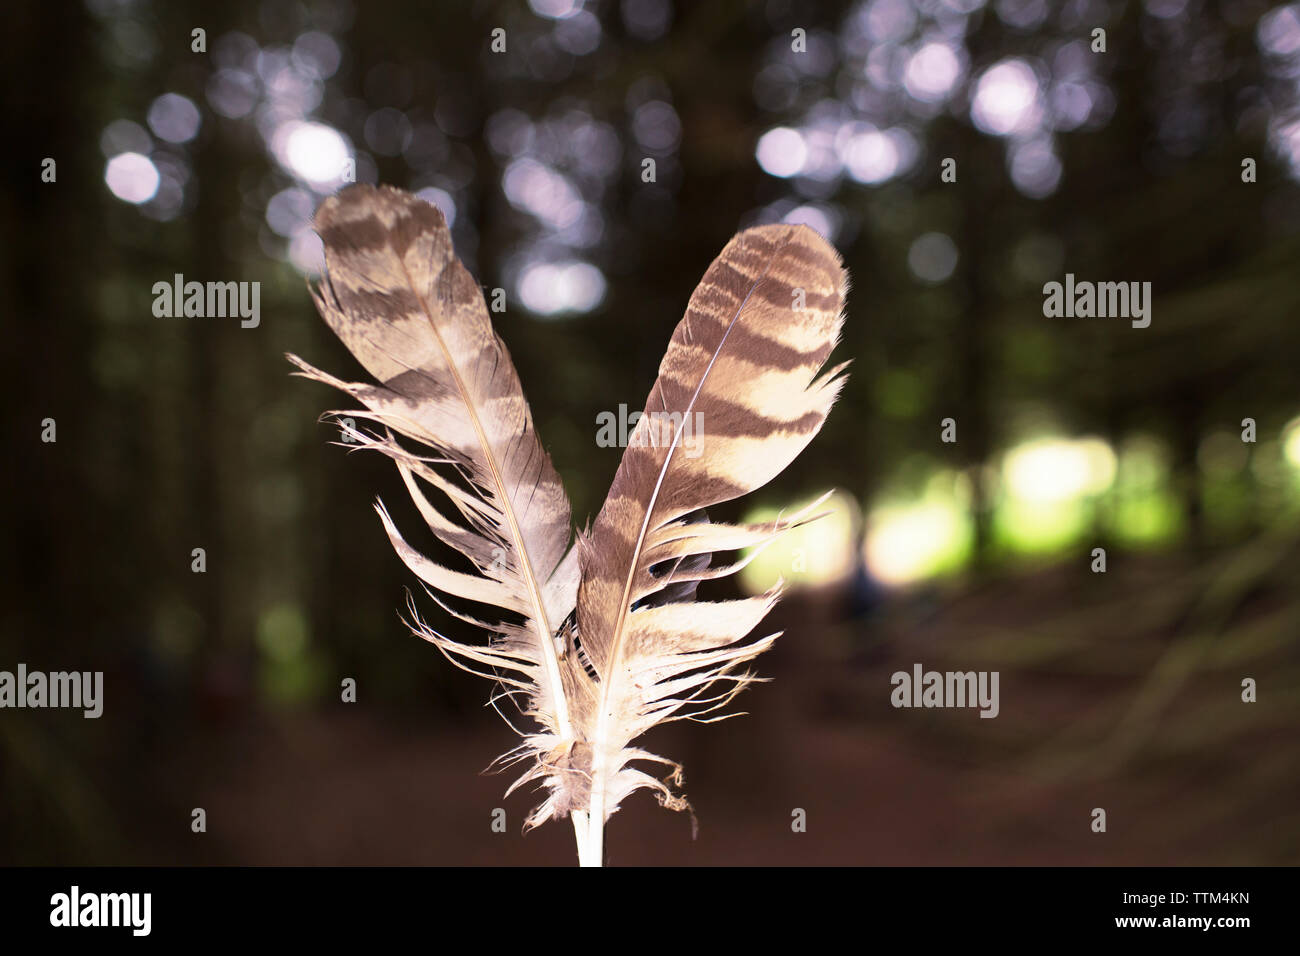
<point x="600" y="639"/>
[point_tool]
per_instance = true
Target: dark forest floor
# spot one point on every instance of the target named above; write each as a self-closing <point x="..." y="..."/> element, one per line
<point x="1123" y="695"/>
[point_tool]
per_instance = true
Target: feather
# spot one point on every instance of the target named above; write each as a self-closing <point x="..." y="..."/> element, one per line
<point x="410" y="312"/>
<point x="601" y="641"/>
<point x="744" y="372"/>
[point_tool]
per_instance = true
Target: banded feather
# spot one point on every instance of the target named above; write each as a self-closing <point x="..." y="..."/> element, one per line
<point x="745" y="369"/>
<point x="405" y="306"/>
<point x="601" y="641"/>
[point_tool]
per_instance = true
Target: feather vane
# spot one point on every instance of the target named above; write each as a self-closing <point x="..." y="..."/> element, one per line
<point x="601" y="641"/>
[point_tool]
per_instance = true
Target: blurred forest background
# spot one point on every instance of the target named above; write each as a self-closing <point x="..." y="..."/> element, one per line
<point x="1119" y="690"/>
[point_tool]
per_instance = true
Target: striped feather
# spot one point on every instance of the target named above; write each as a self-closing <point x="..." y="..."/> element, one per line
<point x="404" y="305"/>
<point x="743" y="383"/>
<point x="602" y="641"/>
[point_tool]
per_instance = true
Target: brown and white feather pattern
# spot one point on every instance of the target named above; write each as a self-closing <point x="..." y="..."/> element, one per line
<point x="604" y="640"/>
<point x="744" y="371"/>
<point x="410" y="312"/>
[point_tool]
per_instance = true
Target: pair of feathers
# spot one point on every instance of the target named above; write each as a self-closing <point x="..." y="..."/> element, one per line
<point x="601" y="639"/>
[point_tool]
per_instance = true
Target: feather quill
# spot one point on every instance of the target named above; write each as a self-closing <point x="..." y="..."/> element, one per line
<point x="604" y="640"/>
